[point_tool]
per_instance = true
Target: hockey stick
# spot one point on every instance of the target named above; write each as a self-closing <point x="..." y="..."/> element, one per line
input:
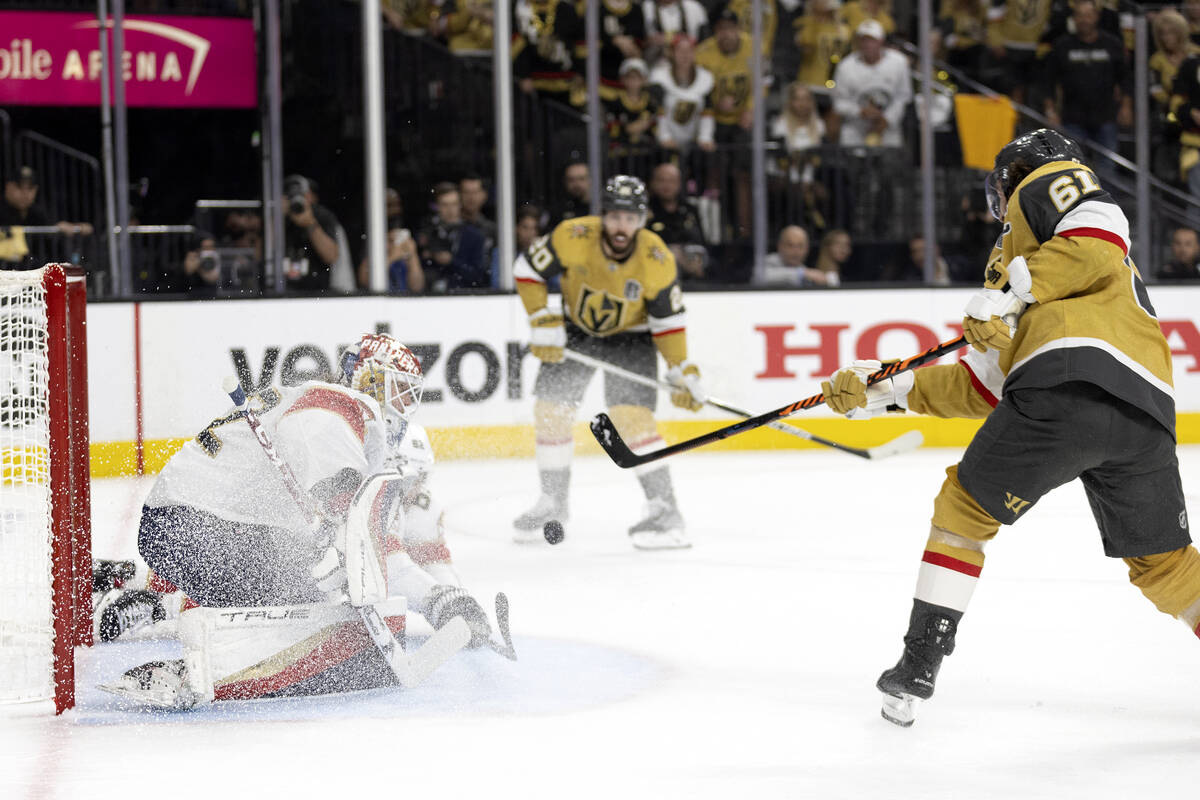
<point x="507" y="650"/>
<point x="901" y="444"/>
<point x="409" y="669"/>
<point x="606" y="433"/>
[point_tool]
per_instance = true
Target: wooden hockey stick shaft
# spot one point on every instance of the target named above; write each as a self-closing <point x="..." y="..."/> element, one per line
<point x="408" y="669"/>
<point x="791" y="430"/>
<point x="606" y="432"/>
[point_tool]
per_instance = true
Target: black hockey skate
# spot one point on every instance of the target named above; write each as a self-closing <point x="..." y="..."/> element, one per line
<point x="120" y="612"/>
<point x="661" y="529"/>
<point x="529" y="525"/>
<point x="930" y="638"/>
<point x="108" y="575"/>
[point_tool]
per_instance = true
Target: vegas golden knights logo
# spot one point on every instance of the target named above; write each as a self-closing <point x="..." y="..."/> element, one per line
<point x="599" y="312"/>
<point x="1014" y="503"/>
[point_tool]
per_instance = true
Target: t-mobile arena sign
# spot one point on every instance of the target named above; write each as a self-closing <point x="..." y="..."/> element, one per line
<point x="52" y="59"/>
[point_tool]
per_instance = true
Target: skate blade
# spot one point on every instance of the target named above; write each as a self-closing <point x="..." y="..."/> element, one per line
<point x="900" y="709"/>
<point x="659" y="542"/>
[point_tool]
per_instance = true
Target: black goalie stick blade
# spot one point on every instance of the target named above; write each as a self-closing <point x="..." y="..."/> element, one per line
<point x="507" y="650"/>
<point x="612" y="443"/>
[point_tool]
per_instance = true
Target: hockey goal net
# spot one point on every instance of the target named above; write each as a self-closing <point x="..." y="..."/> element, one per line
<point x="45" y="498"/>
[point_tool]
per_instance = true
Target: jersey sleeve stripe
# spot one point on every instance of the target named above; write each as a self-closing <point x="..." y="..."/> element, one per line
<point x="979" y="386"/>
<point x="523" y="271"/>
<point x="1097" y="233"/>
<point x="660" y="326"/>
<point x="343" y="405"/>
<point x="1101" y="220"/>
<point x="668" y="332"/>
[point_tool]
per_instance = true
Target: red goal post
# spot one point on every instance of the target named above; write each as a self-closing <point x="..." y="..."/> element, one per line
<point x="45" y="494"/>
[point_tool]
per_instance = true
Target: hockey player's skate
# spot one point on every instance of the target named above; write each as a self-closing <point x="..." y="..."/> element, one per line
<point x="661" y="529"/>
<point x="529" y="525"/>
<point x="162" y="684"/>
<point x="120" y="612"/>
<point x="108" y="575"/>
<point x="905" y="685"/>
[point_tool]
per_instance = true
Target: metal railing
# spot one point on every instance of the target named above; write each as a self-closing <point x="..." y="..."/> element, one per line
<point x="69" y="180"/>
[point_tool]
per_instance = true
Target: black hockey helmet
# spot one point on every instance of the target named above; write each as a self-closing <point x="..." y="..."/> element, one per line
<point x="1021" y="156"/>
<point x="624" y="193"/>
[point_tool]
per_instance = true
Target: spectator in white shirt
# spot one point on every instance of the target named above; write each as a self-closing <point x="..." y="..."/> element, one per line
<point x="872" y="87"/>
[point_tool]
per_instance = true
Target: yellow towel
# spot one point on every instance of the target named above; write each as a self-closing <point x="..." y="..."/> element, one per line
<point x="985" y="124"/>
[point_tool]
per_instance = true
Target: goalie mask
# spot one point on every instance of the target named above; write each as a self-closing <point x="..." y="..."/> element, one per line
<point x="380" y="366"/>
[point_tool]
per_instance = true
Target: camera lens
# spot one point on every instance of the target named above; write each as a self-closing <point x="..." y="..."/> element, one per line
<point x="297" y="204"/>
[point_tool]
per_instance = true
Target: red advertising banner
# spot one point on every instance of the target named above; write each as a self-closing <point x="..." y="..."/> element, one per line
<point x="53" y="59"/>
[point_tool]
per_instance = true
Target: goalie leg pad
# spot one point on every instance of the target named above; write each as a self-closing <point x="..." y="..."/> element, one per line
<point x="284" y="651"/>
<point x="376" y="510"/>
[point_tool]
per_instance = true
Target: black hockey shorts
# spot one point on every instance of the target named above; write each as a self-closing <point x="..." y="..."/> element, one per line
<point x="217" y="562"/>
<point x="566" y="381"/>
<point x="1038" y="439"/>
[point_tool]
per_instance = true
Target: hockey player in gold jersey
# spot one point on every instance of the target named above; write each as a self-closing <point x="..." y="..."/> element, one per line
<point x="621" y="303"/>
<point x="1073" y="376"/>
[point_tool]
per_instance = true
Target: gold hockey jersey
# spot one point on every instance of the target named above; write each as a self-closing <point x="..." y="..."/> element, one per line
<point x="602" y="296"/>
<point x="1092" y="321"/>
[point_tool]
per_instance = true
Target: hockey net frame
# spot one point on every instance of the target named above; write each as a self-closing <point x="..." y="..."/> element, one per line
<point x="45" y="489"/>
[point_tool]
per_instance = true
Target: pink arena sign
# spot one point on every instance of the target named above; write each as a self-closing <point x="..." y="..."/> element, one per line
<point x="53" y="59"/>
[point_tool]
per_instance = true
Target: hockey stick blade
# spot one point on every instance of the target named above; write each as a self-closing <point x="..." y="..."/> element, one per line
<point x="438" y="648"/>
<point x="610" y="441"/>
<point x="606" y="434"/>
<point x="507" y="650"/>
<point x="903" y="443"/>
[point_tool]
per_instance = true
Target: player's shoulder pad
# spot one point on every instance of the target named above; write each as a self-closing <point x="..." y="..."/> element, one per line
<point x="355" y="408"/>
<point x="657" y="260"/>
<point x="1052" y="191"/>
<point x="570" y="232"/>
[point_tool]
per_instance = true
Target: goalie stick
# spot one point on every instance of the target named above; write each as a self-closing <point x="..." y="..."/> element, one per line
<point x="410" y="669"/>
<point x="606" y="433"/>
<point x="901" y="444"/>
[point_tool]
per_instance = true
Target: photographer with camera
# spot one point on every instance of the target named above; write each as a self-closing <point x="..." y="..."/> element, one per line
<point x="202" y="266"/>
<point x="310" y="237"/>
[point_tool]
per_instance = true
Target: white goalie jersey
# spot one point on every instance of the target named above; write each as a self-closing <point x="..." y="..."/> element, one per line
<point x="331" y="437"/>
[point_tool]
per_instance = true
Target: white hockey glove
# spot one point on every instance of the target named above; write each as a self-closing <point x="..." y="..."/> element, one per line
<point x="447" y="602"/>
<point x="547" y="336"/>
<point x="329" y="571"/>
<point x="991" y="315"/>
<point x="846" y="391"/>
<point x="330" y="574"/>
<point x="689" y="393"/>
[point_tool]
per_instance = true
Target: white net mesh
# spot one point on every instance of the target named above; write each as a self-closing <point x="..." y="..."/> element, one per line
<point x="26" y="614"/>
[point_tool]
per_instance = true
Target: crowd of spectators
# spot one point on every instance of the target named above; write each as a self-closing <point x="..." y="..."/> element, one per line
<point x="678" y="108"/>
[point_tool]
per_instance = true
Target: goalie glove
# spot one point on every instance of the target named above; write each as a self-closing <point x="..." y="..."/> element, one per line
<point x="447" y="602"/>
<point x="991" y="314"/>
<point x="547" y="336"/>
<point x="847" y="392"/>
<point x="689" y="394"/>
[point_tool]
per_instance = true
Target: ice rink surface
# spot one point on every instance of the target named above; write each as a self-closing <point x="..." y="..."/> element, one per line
<point x="744" y="667"/>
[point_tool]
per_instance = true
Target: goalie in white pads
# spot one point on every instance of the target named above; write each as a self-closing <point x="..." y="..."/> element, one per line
<point x="220" y="527"/>
<point x="1073" y="377"/>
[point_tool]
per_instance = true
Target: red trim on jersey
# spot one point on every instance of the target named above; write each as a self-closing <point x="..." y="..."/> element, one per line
<point x="949" y="562"/>
<point x="668" y="331"/>
<point x="979" y="387"/>
<point x="159" y="584"/>
<point x="1097" y="233"/>
<point x="1196" y="630"/>
<point x="347" y="641"/>
<point x="332" y="400"/>
<point x="537" y="281"/>
<point x="421" y="553"/>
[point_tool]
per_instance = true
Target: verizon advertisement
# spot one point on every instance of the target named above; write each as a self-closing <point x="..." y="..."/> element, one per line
<point x="756" y="350"/>
<point x="54" y="59"/>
